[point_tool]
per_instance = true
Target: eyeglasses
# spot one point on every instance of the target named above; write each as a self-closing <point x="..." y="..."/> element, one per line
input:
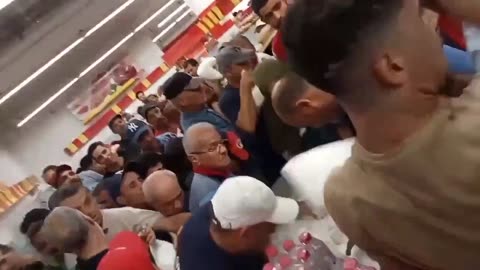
<point x="213" y="147"/>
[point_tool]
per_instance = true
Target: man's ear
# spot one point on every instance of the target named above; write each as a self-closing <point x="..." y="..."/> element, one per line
<point x="193" y="159"/>
<point x="302" y="103"/>
<point x="121" y="200"/>
<point x="390" y="70"/>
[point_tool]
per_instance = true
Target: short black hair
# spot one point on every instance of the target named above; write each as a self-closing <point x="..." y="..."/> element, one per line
<point x="99" y="188"/>
<point x="85" y="163"/>
<point x="94" y="146"/>
<point x="63" y="193"/>
<point x="110" y="123"/>
<point x="136" y="167"/>
<point x="4" y="249"/>
<point x="33" y="216"/>
<point x="190" y="62"/>
<point x="257" y="5"/>
<point x="150" y="159"/>
<point x="320" y="35"/>
<point x="139" y="93"/>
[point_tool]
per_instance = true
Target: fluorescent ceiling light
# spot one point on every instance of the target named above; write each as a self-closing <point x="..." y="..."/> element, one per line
<point x="169" y="17"/>
<point x="90" y="67"/>
<point x="171" y="25"/>
<point x="62" y="53"/>
<point x="45" y="104"/>
<point x="4" y="3"/>
<point x="147" y="21"/>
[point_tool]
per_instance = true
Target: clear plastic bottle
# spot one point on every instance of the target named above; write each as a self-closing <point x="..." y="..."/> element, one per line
<point x="289" y="263"/>
<point x="352" y="264"/>
<point x="318" y="250"/>
<point x="274" y="255"/>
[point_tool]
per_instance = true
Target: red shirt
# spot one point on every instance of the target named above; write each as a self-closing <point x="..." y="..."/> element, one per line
<point x="278" y="48"/>
<point x="453" y="28"/>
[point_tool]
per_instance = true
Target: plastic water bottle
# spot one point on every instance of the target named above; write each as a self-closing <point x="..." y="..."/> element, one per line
<point x="270" y="266"/>
<point x="289" y="263"/>
<point x="352" y="264"/>
<point x="273" y="256"/>
<point x="318" y="250"/>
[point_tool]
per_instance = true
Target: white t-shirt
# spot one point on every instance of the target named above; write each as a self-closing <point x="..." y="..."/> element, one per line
<point x="124" y="219"/>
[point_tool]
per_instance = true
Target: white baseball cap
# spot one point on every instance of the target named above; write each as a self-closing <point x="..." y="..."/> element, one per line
<point x="244" y="201"/>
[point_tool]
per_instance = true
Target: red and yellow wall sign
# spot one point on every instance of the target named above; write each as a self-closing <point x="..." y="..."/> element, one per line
<point x="210" y="23"/>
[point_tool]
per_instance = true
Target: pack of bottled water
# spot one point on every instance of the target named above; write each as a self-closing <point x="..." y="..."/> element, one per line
<point x="309" y="253"/>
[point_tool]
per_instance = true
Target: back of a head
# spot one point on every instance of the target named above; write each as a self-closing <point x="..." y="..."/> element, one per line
<point x="158" y="183"/>
<point x="257" y="5"/>
<point x="36" y="215"/>
<point x="67" y="228"/>
<point x="286" y="93"/>
<point x="63" y="193"/>
<point x="322" y="37"/>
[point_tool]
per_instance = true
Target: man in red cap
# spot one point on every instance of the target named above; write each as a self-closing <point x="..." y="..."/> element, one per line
<point x="127" y="251"/>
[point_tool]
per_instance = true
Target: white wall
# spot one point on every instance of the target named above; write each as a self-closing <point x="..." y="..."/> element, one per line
<point x="198" y="5"/>
<point x="11" y="170"/>
<point x="41" y="142"/>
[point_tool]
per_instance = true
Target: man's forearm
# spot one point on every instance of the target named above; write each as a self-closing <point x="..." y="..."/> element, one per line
<point x="171" y="224"/>
<point x="247" y="116"/>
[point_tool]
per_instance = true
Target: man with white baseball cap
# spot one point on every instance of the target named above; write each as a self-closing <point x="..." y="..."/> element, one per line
<point x="233" y="230"/>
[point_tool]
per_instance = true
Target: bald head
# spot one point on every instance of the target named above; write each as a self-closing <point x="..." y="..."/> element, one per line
<point x="163" y="192"/>
<point x="67" y="229"/>
<point x="194" y="136"/>
<point x="159" y="185"/>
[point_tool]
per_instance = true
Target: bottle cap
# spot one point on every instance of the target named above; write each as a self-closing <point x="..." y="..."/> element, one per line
<point x="303" y="254"/>
<point x="285" y="261"/>
<point x="271" y="251"/>
<point x="305" y="238"/>
<point x="350" y="264"/>
<point x="288" y="245"/>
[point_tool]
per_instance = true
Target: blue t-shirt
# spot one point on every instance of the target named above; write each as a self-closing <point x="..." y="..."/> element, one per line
<point x="198" y="251"/>
<point x="257" y="144"/>
<point x="202" y="185"/>
<point x="188" y="119"/>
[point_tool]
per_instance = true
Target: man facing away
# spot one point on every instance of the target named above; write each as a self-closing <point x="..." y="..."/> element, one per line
<point x="409" y="193"/>
<point x="72" y="232"/>
<point x="233" y="230"/>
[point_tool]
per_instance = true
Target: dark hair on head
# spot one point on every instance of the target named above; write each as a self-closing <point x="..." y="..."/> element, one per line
<point x="139" y="93"/>
<point x="150" y="159"/>
<point x="49" y="168"/>
<point x="257" y="5"/>
<point x="136" y="167"/>
<point x="112" y="121"/>
<point x="190" y="62"/>
<point x="288" y="91"/>
<point x="235" y="14"/>
<point x="93" y="147"/>
<point x="85" y="163"/>
<point x="4" y="249"/>
<point x="321" y="35"/>
<point x="63" y="193"/>
<point x="33" y="216"/>
<point x="99" y="188"/>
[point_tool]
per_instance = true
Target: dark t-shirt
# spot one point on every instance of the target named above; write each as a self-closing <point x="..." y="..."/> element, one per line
<point x="198" y="251"/>
<point x="257" y="144"/>
<point x="91" y="263"/>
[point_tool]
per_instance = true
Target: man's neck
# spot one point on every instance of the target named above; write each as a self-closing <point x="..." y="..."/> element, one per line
<point x="95" y="244"/>
<point x="225" y="244"/>
<point x="382" y="130"/>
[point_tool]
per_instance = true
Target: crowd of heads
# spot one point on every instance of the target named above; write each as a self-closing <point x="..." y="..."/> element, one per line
<point x="195" y="149"/>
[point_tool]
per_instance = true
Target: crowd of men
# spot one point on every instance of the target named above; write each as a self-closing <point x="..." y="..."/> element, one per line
<point x="197" y="168"/>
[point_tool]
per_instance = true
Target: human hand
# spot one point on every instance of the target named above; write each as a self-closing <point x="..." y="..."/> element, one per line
<point x="247" y="83"/>
<point x="146" y="233"/>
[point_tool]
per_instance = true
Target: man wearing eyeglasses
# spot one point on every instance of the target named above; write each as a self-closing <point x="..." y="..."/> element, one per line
<point x="211" y="163"/>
